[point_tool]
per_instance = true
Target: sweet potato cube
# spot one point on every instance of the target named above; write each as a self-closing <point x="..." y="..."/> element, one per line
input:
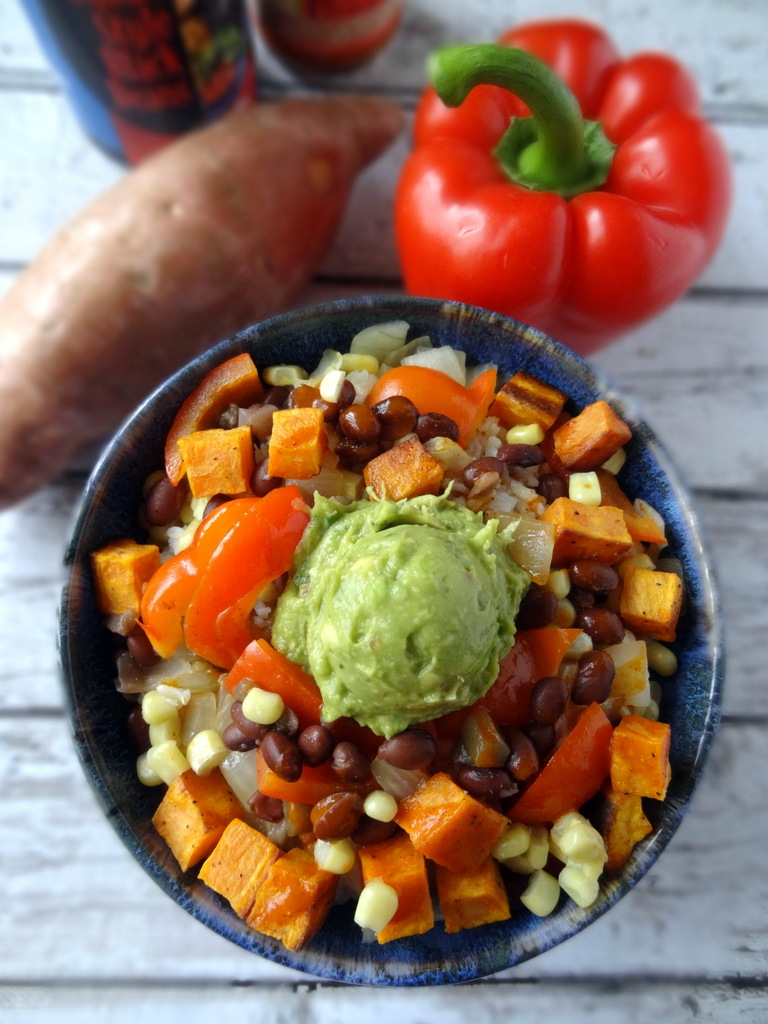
<point x="404" y="471"/>
<point x="293" y="901"/>
<point x="622" y="823"/>
<point x="398" y="863"/>
<point x="641" y="528"/>
<point x="583" y="531"/>
<point x="239" y="864"/>
<point x="297" y="444"/>
<point x="218" y="461"/>
<point x="448" y="825"/>
<point x="651" y="601"/>
<point x="471" y="898"/>
<point x="639" y="757"/>
<point x="121" y="570"/>
<point x="591" y="438"/>
<point x="193" y="814"/>
<point x="526" y="399"/>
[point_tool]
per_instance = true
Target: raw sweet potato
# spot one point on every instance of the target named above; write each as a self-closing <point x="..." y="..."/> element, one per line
<point x="216" y="232"/>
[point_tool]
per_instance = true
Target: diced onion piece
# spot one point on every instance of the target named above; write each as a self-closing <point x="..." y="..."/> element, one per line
<point x="525" y="433"/>
<point x="447" y="360"/>
<point x="146" y="776"/>
<point x="514" y="841"/>
<point x="262" y="706"/>
<point x="581" y="645"/>
<point x="578" y="885"/>
<point x="199" y="714"/>
<point x="330" y="360"/>
<point x="641" y="560"/>
<point x="359" y="363"/>
<point x="284" y="375"/>
<point x="530" y="543"/>
<point x="239" y="769"/>
<point x="649" y="512"/>
<point x="167" y="761"/>
<point x="206" y="751"/>
<point x="542" y="893"/>
<point x="336" y="856"/>
<point x="379" y="340"/>
<point x="376" y="905"/>
<point x="400" y="782"/>
<point x="585" y="488"/>
<point x="380" y="805"/>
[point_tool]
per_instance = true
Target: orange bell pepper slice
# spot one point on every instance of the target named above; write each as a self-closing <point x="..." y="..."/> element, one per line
<point x="272" y="671"/>
<point x="434" y="391"/>
<point x="258" y="548"/>
<point x="236" y="380"/>
<point x="573" y="774"/>
<point x="313" y="785"/>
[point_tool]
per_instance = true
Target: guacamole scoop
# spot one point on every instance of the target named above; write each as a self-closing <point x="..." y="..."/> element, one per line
<point x="400" y="610"/>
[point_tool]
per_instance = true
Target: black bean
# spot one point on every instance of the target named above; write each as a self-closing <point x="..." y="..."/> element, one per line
<point x="589" y="574"/>
<point x="355" y="454"/>
<point x="479" y="467"/>
<point x="543" y="739"/>
<point x="288" y="723"/>
<point x="524" y="455"/>
<point x="349" y="762"/>
<point x="413" y="748"/>
<point x="268" y="808"/>
<point x="605" y="627"/>
<point x="277" y="396"/>
<point x="138" y="730"/>
<point x="337" y="816"/>
<point x="282" y="755"/>
<point x="485" y="783"/>
<point x="164" y="502"/>
<point x="215" y="502"/>
<point x="261" y="482"/>
<point x="235" y="739"/>
<point x="255" y="730"/>
<point x="593" y="678"/>
<point x="581" y="598"/>
<point x="523" y="760"/>
<point x="548" y="699"/>
<point x="397" y="416"/>
<point x="360" y="423"/>
<point x="537" y="609"/>
<point x="347" y="395"/>
<point x="315" y="744"/>
<point x="141" y="649"/>
<point x="551" y="487"/>
<point x="303" y="396"/>
<point x="434" y="424"/>
<point x="371" y="831"/>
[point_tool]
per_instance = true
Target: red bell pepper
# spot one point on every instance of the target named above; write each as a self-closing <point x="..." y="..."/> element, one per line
<point x="573" y="774"/>
<point x="583" y="229"/>
<point x="204" y="595"/>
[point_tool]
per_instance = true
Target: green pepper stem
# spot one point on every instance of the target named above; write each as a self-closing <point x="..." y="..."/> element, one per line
<point x="553" y="150"/>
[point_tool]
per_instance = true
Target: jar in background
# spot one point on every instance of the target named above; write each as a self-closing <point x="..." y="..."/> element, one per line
<point x="139" y="73"/>
<point x="327" y="35"/>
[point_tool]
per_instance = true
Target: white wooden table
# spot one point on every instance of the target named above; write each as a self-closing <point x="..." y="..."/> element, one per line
<point x="85" y="935"/>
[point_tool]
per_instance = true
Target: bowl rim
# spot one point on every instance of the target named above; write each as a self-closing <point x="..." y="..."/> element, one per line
<point x="496" y="954"/>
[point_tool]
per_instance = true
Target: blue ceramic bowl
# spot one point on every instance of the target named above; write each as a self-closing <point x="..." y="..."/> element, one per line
<point x="97" y="712"/>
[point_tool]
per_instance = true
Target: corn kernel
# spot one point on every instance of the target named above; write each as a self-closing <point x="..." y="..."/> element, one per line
<point x="170" y="729"/>
<point x="284" y="375"/>
<point x="331" y="385"/>
<point x="616" y="462"/>
<point x="542" y="893"/>
<point x="535" y="856"/>
<point x="525" y="433"/>
<point x="354" y="362"/>
<point x="167" y="761"/>
<point x="585" y="488"/>
<point x="574" y="839"/>
<point x="205" y="751"/>
<point x="559" y="582"/>
<point x="565" y="614"/>
<point x="380" y="805"/>
<point x="578" y="885"/>
<point x="336" y="856"/>
<point x="262" y="706"/>
<point x="157" y="708"/>
<point x="376" y="905"/>
<point x="514" y="841"/>
<point x="146" y="776"/>
<point x="661" y="659"/>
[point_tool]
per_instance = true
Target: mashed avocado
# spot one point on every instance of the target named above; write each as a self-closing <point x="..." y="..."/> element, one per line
<point x="400" y="610"/>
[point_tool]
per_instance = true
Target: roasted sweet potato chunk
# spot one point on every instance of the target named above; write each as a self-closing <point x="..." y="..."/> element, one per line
<point x="404" y="471"/>
<point x="588" y="440"/>
<point x="473" y="897"/>
<point x="639" y="755"/>
<point x="193" y="814"/>
<point x="583" y="531"/>
<point x="121" y="571"/>
<point x="398" y="863"/>
<point x="239" y="864"/>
